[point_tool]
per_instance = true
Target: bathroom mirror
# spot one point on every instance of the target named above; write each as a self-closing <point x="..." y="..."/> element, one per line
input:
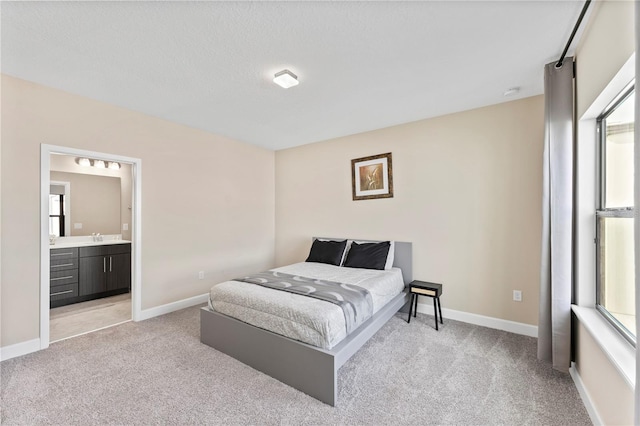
<point x="85" y="200"/>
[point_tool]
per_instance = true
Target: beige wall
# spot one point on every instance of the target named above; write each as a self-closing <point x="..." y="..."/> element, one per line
<point x="68" y="163"/>
<point x="467" y="193"/>
<point x="607" y="44"/>
<point x="612" y="396"/>
<point x="95" y="202"/>
<point x="207" y="201"/>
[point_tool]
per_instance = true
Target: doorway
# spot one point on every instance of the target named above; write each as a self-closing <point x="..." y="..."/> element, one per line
<point x="106" y="299"/>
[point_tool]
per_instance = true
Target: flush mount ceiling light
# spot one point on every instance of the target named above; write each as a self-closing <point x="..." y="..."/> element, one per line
<point x="99" y="164"/>
<point x="285" y="79"/>
<point x="84" y="162"/>
<point x="511" y="91"/>
<point x="114" y="166"/>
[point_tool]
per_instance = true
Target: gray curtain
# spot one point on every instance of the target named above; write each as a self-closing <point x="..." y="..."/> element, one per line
<point x="556" y="271"/>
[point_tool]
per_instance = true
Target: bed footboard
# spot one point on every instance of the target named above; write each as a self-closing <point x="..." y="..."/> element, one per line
<point x="304" y="367"/>
<point x="307" y="368"/>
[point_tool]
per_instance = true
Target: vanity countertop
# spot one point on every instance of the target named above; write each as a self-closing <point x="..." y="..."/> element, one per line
<point x="68" y="244"/>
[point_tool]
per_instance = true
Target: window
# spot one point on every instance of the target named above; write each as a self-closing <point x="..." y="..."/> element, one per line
<point x="615" y="275"/>
<point x="56" y="215"/>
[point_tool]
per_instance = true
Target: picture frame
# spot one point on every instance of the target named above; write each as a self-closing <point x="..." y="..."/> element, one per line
<point x="372" y="177"/>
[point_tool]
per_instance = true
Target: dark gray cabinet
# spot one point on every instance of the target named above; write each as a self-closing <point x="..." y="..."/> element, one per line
<point x="63" y="276"/>
<point x="93" y="275"/>
<point x="119" y="277"/>
<point x="105" y="269"/>
<point x="85" y="273"/>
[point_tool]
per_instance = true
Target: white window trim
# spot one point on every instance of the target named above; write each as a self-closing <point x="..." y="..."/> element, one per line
<point x="620" y="352"/>
<point x="603" y="211"/>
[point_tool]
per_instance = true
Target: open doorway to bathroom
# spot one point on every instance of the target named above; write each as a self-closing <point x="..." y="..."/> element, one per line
<point x="90" y="225"/>
<point x="90" y="245"/>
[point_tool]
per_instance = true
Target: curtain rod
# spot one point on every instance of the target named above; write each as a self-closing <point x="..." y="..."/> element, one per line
<point x="573" y="33"/>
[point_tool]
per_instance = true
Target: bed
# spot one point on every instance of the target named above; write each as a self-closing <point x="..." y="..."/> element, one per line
<point x="305" y="360"/>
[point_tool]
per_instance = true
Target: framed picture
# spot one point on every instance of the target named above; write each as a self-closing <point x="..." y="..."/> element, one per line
<point x="372" y="177"/>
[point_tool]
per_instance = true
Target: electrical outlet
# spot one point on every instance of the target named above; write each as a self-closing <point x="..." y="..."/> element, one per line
<point x="517" y="295"/>
<point x="77" y="226"/>
<point x="125" y="226"/>
<point x="201" y="275"/>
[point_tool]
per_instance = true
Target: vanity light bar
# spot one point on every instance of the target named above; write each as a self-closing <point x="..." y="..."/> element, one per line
<point x="100" y="164"/>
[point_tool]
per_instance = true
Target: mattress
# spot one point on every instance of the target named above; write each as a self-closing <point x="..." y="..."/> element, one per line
<point x="298" y="317"/>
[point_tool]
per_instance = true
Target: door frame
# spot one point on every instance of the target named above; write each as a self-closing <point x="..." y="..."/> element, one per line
<point x="136" y="230"/>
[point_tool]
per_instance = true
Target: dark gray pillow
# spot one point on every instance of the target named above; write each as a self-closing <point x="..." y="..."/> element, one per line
<point x="367" y="255"/>
<point x="327" y="252"/>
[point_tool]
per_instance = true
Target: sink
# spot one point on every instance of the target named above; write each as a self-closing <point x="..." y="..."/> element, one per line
<point x="66" y="244"/>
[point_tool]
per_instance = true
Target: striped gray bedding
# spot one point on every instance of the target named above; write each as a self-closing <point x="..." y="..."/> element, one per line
<point x="298" y="317"/>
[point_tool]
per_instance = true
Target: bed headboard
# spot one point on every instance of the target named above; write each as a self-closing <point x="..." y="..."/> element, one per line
<point x="403" y="257"/>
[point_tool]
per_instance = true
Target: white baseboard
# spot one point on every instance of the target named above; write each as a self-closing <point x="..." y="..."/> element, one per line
<point x="27" y="347"/>
<point x="19" y="349"/>
<point x="484" y="321"/>
<point x="584" y="394"/>
<point x="30" y="346"/>
<point x="173" y="306"/>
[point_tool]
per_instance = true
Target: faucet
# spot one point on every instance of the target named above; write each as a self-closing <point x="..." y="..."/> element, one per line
<point x="96" y="237"/>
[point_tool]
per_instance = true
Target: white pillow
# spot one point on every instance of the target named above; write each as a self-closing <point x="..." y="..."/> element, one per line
<point x="390" y="256"/>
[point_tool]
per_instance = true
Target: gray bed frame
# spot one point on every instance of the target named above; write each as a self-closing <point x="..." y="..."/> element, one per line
<point x="307" y="368"/>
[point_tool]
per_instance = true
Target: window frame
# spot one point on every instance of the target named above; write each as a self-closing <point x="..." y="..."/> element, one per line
<point x="61" y="216"/>
<point x="614" y="212"/>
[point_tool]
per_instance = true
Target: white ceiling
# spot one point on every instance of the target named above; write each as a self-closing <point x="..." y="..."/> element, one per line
<point x="361" y="65"/>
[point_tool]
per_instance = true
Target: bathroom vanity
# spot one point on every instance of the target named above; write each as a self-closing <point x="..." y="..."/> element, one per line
<point x="82" y="271"/>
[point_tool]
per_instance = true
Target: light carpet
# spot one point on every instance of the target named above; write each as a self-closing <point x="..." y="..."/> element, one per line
<point x="157" y="372"/>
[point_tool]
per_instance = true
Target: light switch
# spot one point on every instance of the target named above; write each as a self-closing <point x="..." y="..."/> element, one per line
<point x="77" y="226"/>
<point x="125" y="226"/>
<point x="517" y="295"/>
